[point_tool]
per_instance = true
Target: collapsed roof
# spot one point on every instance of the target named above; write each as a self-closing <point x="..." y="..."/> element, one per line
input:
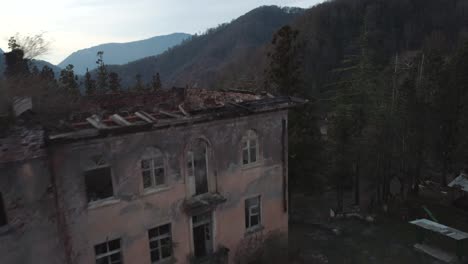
<point x="110" y="114"/>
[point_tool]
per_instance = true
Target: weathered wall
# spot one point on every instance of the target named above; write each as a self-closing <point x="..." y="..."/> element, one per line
<point x="134" y="211"/>
<point x="31" y="235"/>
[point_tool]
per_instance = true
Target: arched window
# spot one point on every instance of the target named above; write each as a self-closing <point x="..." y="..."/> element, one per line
<point x="152" y="168"/>
<point x="197" y="167"/>
<point x="250" y="148"/>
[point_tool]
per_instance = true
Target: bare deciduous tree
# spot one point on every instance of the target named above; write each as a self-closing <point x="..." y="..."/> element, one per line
<point x="32" y="46"/>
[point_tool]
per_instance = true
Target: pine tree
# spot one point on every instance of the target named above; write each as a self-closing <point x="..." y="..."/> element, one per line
<point x="102" y="85"/>
<point x="114" y="82"/>
<point x="47" y="73"/>
<point x="139" y="85"/>
<point x="90" y="84"/>
<point x="284" y="69"/>
<point x="156" y="83"/>
<point x="69" y="80"/>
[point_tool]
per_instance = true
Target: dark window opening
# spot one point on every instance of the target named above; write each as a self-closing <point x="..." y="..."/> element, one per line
<point x="3" y="217"/>
<point x="202" y="235"/>
<point x="98" y="184"/>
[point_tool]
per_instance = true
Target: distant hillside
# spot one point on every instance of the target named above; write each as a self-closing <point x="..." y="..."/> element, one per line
<point x="121" y="53"/>
<point x="41" y="63"/>
<point x="198" y="61"/>
<point x="38" y="63"/>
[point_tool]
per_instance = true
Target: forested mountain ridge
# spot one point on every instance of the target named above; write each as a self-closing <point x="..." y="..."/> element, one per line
<point x="198" y="61"/>
<point x="121" y="53"/>
<point x="388" y="78"/>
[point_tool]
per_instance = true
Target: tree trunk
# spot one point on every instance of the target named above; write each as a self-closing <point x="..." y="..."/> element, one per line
<point x="357" y="178"/>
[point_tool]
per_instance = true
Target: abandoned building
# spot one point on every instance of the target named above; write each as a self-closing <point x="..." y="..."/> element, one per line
<point x="177" y="176"/>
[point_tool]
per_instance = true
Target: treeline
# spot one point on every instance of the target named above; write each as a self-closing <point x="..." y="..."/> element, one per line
<point x="388" y="79"/>
<point x="17" y="66"/>
<point x="56" y="97"/>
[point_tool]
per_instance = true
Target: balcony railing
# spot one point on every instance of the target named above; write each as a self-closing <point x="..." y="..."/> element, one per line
<point x="219" y="257"/>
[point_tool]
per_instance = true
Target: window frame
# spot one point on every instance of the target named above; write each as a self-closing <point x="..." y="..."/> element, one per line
<point x="158" y="239"/>
<point x="246" y="146"/>
<point x="151" y="158"/>
<point x="190" y="166"/>
<point x="109" y="253"/>
<point x="249" y="214"/>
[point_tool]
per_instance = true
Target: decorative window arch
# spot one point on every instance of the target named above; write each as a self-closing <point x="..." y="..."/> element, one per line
<point x="197" y="166"/>
<point x="153" y="169"/>
<point x="250" y="148"/>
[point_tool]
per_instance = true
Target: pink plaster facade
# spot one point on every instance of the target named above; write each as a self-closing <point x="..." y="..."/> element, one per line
<point x="133" y="210"/>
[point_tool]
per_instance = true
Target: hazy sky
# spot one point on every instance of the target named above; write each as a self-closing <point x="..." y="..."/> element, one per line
<point x="71" y="25"/>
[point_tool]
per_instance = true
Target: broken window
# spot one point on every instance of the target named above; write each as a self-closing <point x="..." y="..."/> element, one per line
<point x="202" y="235"/>
<point x="160" y="243"/>
<point x="108" y="252"/>
<point x="197" y="164"/>
<point x="252" y="212"/>
<point x="3" y="217"/>
<point x="98" y="184"/>
<point x="250" y="148"/>
<point x="152" y="169"/>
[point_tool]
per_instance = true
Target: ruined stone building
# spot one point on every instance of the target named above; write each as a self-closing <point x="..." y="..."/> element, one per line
<point x="178" y="176"/>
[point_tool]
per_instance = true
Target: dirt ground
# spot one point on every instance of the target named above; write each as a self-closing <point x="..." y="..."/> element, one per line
<point x="315" y="239"/>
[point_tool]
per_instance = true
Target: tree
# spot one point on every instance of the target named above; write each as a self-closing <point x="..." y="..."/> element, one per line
<point x="32" y="46"/>
<point x="284" y="76"/>
<point x="47" y="73"/>
<point x="139" y="85"/>
<point x="69" y="81"/>
<point x="114" y="82"/>
<point x="102" y="85"/>
<point x="284" y="69"/>
<point x="15" y="61"/>
<point x="156" y="83"/>
<point x="90" y="84"/>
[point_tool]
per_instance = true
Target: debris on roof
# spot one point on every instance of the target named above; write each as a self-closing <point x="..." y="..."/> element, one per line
<point x="130" y="112"/>
<point x="22" y="144"/>
<point x="103" y="115"/>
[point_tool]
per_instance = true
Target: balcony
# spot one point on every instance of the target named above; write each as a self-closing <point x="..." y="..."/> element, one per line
<point x="203" y="203"/>
<point x="221" y="256"/>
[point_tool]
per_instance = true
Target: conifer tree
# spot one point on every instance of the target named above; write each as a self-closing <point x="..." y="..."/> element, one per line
<point x="102" y="77"/>
<point x="90" y="84"/>
<point x="156" y="82"/>
<point x="114" y="82"/>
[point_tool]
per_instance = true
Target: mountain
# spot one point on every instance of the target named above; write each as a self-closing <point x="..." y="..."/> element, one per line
<point x="121" y="53"/>
<point x="198" y="61"/>
<point x="41" y="63"/>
